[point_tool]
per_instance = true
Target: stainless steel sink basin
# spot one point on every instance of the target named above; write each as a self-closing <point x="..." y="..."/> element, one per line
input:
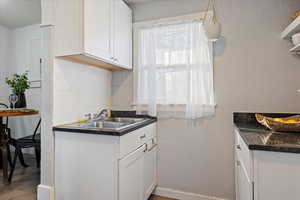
<point x="125" y="120"/>
<point x="109" y="124"/>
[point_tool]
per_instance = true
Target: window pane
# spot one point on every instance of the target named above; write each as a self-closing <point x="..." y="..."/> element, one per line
<point x="172" y="86"/>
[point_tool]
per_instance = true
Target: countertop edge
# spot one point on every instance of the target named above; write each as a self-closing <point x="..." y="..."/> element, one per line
<point x="269" y="148"/>
<point x="110" y="133"/>
<point x="254" y="147"/>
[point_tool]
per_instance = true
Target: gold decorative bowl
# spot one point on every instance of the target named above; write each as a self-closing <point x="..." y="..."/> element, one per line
<point x="296" y="14"/>
<point x="286" y="124"/>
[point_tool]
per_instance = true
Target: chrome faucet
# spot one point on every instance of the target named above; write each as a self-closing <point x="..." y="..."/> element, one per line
<point x="103" y="114"/>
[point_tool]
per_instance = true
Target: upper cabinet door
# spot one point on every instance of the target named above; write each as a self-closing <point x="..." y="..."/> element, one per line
<point x="94" y="32"/>
<point x="98" y="28"/>
<point x="122" y="34"/>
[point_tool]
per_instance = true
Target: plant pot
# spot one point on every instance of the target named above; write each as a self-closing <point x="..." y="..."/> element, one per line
<point x="21" y="103"/>
<point x="213" y="30"/>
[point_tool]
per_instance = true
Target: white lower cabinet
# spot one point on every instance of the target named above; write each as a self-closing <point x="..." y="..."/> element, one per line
<point x="138" y="173"/>
<point x="265" y="175"/>
<point x="131" y="175"/>
<point x="150" y="171"/>
<point x="244" y="185"/>
<point x="276" y="175"/>
<point x="96" y="167"/>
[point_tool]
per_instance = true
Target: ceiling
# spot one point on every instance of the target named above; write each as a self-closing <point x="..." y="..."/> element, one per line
<point x="19" y="13"/>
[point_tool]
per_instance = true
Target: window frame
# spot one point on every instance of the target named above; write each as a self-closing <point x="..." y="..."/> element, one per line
<point x="138" y="26"/>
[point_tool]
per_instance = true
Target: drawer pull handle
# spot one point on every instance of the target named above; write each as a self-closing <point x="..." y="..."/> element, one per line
<point x="152" y="147"/>
<point x="238" y="147"/>
<point x="142" y="137"/>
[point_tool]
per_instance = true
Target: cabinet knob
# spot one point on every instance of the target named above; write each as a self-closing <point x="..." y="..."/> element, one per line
<point x="238" y="147"/>
<point x="238" y="163"/>
<point x="88" y="116"/>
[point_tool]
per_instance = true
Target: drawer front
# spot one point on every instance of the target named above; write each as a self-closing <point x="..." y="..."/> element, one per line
<point x="244" y="155"/>
<point x="149" y="132"/>
<point x="131" y="141"/>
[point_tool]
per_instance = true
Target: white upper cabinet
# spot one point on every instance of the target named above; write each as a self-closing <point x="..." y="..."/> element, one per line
<point x="94" y="32"/>
<point x="123" y="34"/>
<point x="98" y="29"/>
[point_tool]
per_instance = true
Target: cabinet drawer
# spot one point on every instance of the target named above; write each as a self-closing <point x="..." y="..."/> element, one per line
<point x="135" y="139"/>
<point x="244" y="155"/>
<point x="149" y="132"/>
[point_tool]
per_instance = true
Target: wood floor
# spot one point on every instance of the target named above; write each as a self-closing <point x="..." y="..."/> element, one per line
<point x="25" y="182"/>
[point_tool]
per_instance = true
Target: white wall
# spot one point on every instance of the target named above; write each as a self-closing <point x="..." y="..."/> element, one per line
<point x="76" y="86"/>
<point x="5" y="49"/>
<point x="72" y="90"/>
<point x="26" y="52"/>
<point x="253" y="72"/>
<point x="16" y="56"/>
<point x="79" y="89"/>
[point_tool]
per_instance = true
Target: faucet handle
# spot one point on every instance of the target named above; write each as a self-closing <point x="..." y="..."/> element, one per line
<point x="95" y="115"/>
<point x="88" y="116"/>
<point x="108" y="115"/>
<point x="102" y="114"/>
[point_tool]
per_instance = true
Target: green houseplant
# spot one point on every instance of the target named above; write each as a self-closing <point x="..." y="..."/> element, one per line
<point x="19" y="84"/>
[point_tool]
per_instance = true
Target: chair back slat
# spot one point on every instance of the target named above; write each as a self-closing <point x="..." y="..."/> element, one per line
<point x="6" y="119"/>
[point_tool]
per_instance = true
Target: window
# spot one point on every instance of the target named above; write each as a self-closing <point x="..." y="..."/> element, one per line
<point x="175" y="70"/>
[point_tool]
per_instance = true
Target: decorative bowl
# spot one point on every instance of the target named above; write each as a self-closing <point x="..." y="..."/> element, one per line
<point x="296" y="14"/>
<point x="287" y="124"/>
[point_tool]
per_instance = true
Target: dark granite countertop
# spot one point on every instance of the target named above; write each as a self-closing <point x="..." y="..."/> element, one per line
<point x="257" y="137"/>
<point x="112" y="133"/>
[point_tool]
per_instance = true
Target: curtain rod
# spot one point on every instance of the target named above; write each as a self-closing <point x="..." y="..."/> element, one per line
<point x="193" y="16"/>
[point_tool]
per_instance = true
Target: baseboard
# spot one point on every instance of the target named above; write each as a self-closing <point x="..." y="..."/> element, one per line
<point x="180" y="195"/>
<point x="45" y="192"/>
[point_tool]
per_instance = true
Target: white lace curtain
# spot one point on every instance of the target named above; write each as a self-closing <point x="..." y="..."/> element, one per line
<point x="175" y="71"/>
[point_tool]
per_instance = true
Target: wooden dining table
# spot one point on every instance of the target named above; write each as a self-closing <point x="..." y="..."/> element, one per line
<point x="4" y="137"/>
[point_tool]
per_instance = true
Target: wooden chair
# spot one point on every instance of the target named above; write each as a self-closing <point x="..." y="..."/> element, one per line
<point x="4" y="146"/>
<point x="32" y="141"/>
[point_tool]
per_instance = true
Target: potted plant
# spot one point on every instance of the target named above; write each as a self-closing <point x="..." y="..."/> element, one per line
<point x="19" y="84"/>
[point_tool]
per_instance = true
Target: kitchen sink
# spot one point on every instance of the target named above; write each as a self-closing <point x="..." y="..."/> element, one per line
<point x="109" y="124"/>
<point x="125" y="120"/>
<point x="103" y="124"/>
